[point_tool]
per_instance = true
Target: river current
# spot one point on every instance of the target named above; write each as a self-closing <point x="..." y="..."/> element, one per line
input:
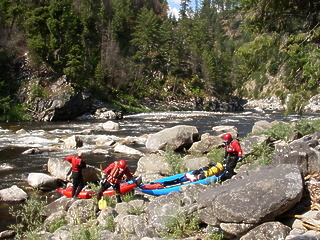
<point x="15" y="166"/>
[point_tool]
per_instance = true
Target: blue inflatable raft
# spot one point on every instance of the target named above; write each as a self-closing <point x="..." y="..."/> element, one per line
<point x="173" y="183"/>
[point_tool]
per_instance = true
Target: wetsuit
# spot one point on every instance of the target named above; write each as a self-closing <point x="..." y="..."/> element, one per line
<point x="233" y="152"/>
<point x="77" y="164"/>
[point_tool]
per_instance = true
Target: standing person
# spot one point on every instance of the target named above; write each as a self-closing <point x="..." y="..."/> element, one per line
<point x="112" y="176"/>
<point x="233" y="154"/>
<point x="77" y="164"/>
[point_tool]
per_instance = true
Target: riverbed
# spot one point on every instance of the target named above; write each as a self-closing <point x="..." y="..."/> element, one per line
<point x="15" y="166"/>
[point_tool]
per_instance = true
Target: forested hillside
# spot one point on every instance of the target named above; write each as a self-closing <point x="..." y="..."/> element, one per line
<point x="133" y="50"/>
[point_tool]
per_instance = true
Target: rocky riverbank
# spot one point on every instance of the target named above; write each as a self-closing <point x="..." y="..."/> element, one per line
<point x="279" y="201"/>
<point x="275" y="103"/>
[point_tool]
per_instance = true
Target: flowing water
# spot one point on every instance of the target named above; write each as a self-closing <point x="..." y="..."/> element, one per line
<point x="15" y="166"/>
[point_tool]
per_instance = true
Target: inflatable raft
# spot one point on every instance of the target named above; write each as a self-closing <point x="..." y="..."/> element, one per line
<point x="173" y="183"/>
<point x="125" y="187"/>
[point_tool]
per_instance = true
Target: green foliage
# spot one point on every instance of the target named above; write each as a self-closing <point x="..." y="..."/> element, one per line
<point x="182" y="226"/>
<point x="280" y="131"/>
<point x="128" y="196"/>
<point x="29" y="217"/>
<point x="116" y="47"/>
<point x="87" y="231"/>
<point x="174" y="161"/>
<point x="13" y="111"/>
<point x="261" y="153"/>
<point x="215" y="236"/>
<point x="216" y="155"/>
<point x="57" y="223"/>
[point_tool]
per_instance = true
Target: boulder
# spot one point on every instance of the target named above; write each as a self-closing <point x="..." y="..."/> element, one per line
<point x="13" y="194"/>
<point x="8" y="234"/>
<point x="152" y="167"/>
<point x="80" y="211"/>
<point x="53" y="218"/>
<point x="193" y="163"/>
<point x="126" y="223"/>
<point x="221" y="130"/>
<point x="106" y="216"/>
<point x="268" y="230"/>
<point x="176" y="138"/>
<point x="248" y="144"/>
<point x="108" y="126"/>
<point x="206" y="143"/>
<point x="260" y="126"/>
<point x="120" y="148"/>
<point x="104" y="141"/>
<point x="163" y="211"/>
<point x="250" y="199"/>
<point x="61" y="204"/>
<point x="302" y="152"/>
<point x="72" y="142"/>
<point x="59" y="168"/>
<point x="42" y="181"/>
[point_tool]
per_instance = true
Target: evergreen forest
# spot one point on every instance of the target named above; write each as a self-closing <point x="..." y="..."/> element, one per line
<point x="134" y="49"/>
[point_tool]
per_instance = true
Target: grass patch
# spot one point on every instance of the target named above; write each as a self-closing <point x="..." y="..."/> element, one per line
<point x="182" y="227"/>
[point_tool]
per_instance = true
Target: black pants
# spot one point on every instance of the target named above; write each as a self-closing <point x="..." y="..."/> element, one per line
<point x="231" y="165"/>
<point x="77" y="182"/>
<point x="105" y="185"/>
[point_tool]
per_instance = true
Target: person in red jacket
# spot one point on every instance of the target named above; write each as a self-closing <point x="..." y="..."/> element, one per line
<point x="77" y="164"/>
<point x="112" y="176"/>
<point x="233" y="154"/>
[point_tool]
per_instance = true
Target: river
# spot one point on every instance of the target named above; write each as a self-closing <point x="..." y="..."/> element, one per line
<point x="15" y="166"/>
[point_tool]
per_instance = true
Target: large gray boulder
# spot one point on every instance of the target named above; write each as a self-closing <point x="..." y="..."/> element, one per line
<point x="164" y="211"/>
<point x="221" y="130"/>
<point x="206" y="143"/>
<point x="42" y="181"/>
<point x="248" y="144"/>
<point x="268" y="230"/>
<point x="177" y="138"/>
<point x="193" y="163"/>
<point x="152" y="167"/>
<point x="262" y="125"/>
<point x="303" y="152"/>
<point x="13" y="194"/>
<point x="258" y="196"/>
<point x="80" y="211"/>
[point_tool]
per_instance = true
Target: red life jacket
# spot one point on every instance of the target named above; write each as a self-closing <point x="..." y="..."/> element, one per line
<point x="115" y="174"/>
<point x="75" y="163"/>
<point x="234" y="149"/>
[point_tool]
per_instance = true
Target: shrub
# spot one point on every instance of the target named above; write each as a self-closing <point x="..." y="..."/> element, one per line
<point x="175" y="161"/>
<point x="29" y="217"/>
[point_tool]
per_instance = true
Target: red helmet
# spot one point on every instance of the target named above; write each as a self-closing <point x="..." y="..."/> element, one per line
<point x="227" y="137"/>
<point x="122" y="164"/>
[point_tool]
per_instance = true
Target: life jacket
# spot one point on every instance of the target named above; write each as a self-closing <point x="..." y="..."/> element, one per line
<point x="233" y="148"/>
<point x="76" y="163"/>
<point x="115" y="174"/>
<point x="214" y="170"/>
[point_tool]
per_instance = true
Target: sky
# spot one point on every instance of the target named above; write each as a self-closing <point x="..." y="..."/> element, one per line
<point x="175" y="5"/>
